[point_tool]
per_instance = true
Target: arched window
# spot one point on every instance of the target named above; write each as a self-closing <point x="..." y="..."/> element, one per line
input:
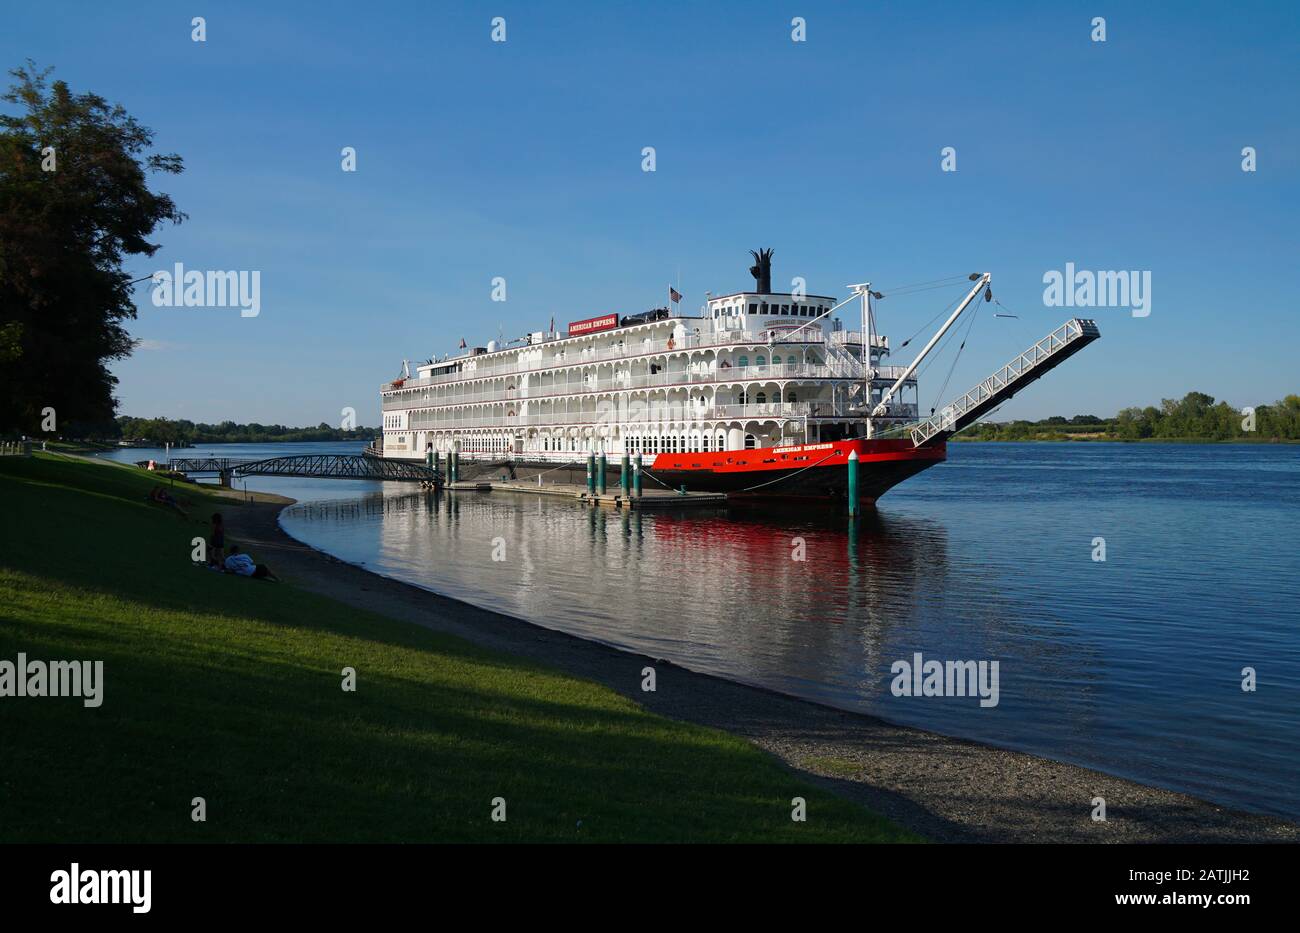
<point x="789" y="397"/>
<point x="761" y="398"/>
<point x="743" y="362"/>
<point x="722" y="440"/>
<point x="790" y="361"/>
<point x="742" y="398"/>
<point x="760" y="360"/>
<point x="750" y="442"/>
<point x="706" y="442"/>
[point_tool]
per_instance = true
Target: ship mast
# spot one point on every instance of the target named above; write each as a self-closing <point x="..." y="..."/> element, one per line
<point x="981" y="282"/>
<point x="863" y="289"/>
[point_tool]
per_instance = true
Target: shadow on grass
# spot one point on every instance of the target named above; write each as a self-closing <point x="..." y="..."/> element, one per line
<point x="229" y="689"/>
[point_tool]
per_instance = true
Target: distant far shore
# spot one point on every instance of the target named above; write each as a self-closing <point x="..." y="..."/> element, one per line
<point x="1111" y="439"/>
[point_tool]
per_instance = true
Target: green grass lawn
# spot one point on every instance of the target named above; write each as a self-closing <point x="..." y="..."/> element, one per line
<point x="227" y="688"/>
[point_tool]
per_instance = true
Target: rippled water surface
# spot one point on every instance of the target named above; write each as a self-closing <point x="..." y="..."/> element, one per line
<point x="1132" y="665"/>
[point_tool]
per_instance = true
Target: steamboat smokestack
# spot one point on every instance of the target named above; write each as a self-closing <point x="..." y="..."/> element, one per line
<point x="762" y="271"/>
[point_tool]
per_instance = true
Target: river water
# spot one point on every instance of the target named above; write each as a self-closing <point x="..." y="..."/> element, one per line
<point x="1132" y="665"/>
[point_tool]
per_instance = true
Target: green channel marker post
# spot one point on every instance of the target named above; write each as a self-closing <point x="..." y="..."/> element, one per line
<point x="428" y="458"/>
<point x="623" y="478"/>
<point x="453" y="465"/>
<point x="636" y="476"/>
<point x="600" y="473"/>
<point x="591" y="474"/>
<point x="853" y="484"/>
<point x="435" y="459"/>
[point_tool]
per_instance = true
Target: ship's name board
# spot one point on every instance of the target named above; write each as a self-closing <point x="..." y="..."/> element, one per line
<point x="802" y="449"/>
<point x="593" y="324"/>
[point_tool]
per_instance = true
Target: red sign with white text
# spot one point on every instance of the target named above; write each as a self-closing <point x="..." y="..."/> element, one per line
<point x="593" y="324"/>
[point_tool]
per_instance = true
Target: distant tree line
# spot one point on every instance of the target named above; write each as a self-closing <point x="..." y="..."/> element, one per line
<point x="1195" y="417"/>
<point x="159" y="431"/>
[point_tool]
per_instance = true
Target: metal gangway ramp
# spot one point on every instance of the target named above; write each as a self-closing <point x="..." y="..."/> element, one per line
<point x="1047" y="354"/>
<point x="322" y="466"/>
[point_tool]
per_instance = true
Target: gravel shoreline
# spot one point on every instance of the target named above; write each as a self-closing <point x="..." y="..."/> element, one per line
<point x="946" y="789"/>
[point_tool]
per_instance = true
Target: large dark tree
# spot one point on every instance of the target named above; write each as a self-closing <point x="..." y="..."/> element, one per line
<point x="74" y="203"/>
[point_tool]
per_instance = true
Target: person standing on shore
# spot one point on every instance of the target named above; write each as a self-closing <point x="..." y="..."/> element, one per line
<point x="216" y="541"/>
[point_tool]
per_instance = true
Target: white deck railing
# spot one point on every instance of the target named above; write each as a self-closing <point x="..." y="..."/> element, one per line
<point x="720" y="375"/>
<point x="627" y="348"/>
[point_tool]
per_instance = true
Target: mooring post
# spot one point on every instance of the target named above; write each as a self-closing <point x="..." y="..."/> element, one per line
<point x="853" y="484"/>
<point x="591" y="474"/>
<point x="453" y="465"/>
<point x="623" y="478"/>
<point x="636" y="476"/>
<point x="600" y="473"/>
<point x="435" y="460"/>
<point x="428" y="457"/>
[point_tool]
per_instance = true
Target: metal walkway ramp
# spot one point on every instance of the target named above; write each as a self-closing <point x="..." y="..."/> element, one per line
<point x="1047" y="354"/>
<point x="323" y="466"/>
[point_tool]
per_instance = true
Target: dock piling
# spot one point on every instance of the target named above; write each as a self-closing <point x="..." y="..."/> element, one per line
<point x="853" y="484"/>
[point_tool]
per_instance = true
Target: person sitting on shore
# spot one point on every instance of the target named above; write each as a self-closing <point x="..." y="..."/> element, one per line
<point x="163" y="497"/>
<point x="240" y="563"/>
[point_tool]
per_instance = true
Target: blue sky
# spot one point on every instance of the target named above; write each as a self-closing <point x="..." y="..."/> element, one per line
<point x="522" y="159"/>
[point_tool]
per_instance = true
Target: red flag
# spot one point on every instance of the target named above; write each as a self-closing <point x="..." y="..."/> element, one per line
<point x="674" y="294"/>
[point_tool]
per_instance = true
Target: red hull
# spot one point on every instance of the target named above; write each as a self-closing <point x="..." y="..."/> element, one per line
<point x="809" y="472"/>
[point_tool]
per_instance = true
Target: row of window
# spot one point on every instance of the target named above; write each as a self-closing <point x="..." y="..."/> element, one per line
<point x="682" y="443"/>
<point x="761" y="398"/>
<point x="761" y="361"/>
<point x="762" y="307"/>
<point x="474" y="444"/>
<point x="703" y="442"/>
